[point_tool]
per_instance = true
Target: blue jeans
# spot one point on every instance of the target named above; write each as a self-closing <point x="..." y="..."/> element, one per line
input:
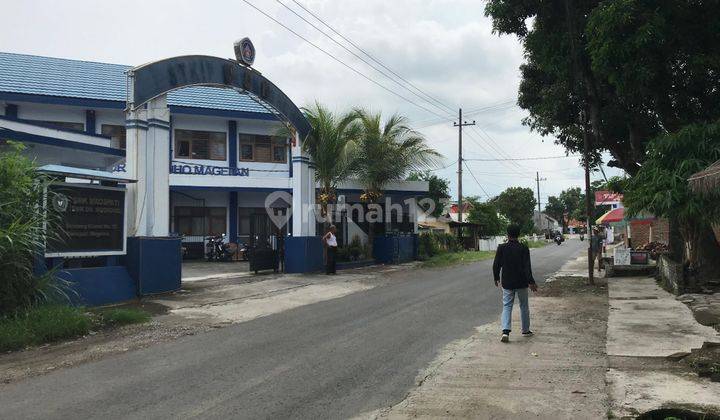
<point x="508" y="300"/>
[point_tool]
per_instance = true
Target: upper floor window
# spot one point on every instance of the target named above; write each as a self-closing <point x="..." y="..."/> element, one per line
<point x="63" y="125"/>
<point x="116" y="134"/>
<point x="193" y="144"/>
<point x="256" y="148"/>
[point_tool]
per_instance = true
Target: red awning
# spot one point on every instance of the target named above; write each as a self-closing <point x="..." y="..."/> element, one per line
<point x="613" y="216"/>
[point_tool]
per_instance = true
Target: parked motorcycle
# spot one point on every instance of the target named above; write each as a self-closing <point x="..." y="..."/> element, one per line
<point x="217" y="250"/>
<point x="244" y="251"/>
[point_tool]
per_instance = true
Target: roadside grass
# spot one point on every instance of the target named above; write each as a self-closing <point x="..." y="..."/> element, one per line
<point x="536" y="244"/>
<point x="123" y="316"/>
<point x="48" y="323"/>
<point x="451" y="258"/>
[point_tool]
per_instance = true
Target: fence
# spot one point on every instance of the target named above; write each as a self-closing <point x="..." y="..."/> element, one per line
<point x="491" y="243"/>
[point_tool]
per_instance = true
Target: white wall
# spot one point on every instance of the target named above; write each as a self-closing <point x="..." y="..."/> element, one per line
<point x="42" y="112"/>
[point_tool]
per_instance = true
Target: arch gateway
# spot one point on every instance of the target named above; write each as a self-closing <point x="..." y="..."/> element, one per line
<point x="148" y="138"/>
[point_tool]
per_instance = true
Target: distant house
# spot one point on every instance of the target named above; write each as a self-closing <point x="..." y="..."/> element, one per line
<point x="453" y="213"/>
<point x="544" y="222"/>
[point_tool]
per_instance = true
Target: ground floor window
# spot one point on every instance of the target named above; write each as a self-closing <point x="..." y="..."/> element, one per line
<point x="200" y="221"/>
<point x="255" y="226"/>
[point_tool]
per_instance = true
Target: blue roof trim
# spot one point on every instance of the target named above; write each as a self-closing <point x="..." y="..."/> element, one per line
<point x="61" y="100"/>
<point x="225" y="113"/>
<point x="52" y="141"/>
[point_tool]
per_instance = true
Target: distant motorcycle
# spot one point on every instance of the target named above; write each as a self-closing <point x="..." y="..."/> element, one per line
<point x="582" y="237"/>
<point x="559" y="239"/>
<point x="217" y="250"/>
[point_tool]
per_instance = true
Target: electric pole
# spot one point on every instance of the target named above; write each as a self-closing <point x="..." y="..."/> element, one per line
<point x="538" y="179"/>
<point x="460" y="124"/>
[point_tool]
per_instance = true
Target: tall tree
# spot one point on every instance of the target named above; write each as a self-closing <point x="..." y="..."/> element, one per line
<point x="518" y="205"/>
<point x="555" y="209"/>
<point x="332" y="146"/>
<point x="559" y="87"/>
<point x="387" y="151"/>
<point x="438" y="191"/>
<point x="661" y="187"/>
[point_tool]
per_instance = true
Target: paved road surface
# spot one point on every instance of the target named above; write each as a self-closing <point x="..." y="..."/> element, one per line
<point x="333" y="359"/>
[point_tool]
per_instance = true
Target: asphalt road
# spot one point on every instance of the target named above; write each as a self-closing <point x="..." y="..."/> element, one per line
<point x="333" y="359"/>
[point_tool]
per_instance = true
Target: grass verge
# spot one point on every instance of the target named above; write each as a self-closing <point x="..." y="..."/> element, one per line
<point x="452" y="258"/>
<point x="48" y="323"/>
<point x="536" y="244"/>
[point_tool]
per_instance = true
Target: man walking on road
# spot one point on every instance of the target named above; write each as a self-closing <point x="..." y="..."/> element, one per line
<point x="513" y="259"/>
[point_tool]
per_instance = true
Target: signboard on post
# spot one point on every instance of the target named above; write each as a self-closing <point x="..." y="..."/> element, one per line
<point x="91" y="220"/>
<point x="621" y="256"/>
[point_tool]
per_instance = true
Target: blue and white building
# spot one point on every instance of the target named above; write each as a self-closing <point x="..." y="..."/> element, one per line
<point x="208" y="156"/>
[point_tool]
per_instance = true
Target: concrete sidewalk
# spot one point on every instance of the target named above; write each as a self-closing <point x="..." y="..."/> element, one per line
<point x="648" y="328"/>
<point x="557" y="374"/>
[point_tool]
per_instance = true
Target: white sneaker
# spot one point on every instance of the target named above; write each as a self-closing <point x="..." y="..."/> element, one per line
<point x="505" y="338"/>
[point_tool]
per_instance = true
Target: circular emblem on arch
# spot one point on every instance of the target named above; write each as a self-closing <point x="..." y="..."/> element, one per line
<point x="245" y="51"/>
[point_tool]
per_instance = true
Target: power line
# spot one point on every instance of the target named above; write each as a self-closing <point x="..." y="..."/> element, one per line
<point x="501" y="106"/>
<point x="342" y="62"/>
<point x="476" y="180"/>
<point x="431" y="102"/>
<point x="348" y="40"/>
<point x="525" y="158"/>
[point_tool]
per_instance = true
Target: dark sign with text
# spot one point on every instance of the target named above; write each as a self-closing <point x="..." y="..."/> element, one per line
<point x="91" y="219"/>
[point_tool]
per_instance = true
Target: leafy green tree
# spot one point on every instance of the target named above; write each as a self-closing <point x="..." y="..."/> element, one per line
<point x="486" y="215"/>
<point x="518" y="205"/>
<point x="661" y="188"/>
<point x="438" y="190"/>
<point x="662" y="58"/>
<point x="331" y="144"/>
<point x="559" y="87"/>
<point x="387" y="151"/>
<point x="556" y="209"/>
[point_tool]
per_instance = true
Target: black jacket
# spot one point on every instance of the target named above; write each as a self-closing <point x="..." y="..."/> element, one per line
<point x="513" y="258"/>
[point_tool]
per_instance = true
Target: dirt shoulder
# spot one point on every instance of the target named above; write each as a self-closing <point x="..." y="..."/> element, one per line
<point x="558" y="373"/>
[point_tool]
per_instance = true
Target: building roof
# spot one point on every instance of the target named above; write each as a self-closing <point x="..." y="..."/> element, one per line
<point x="707" y="180"/>
<point x="65" y="78"/>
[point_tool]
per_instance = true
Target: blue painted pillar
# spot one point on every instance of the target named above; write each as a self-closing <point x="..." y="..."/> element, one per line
<point x="232" y="144"/>
<point x="233" y="219"/>
<point x="90" y="121"/>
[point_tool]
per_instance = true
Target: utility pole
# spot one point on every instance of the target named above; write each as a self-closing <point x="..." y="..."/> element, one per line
<point x="460" y="124"/>
<point x="570" y="14"/>
<point x="588" y="200"/>
<point x="538" y="179"/>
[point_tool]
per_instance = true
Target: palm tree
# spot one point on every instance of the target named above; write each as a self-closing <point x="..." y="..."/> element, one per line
<point x="387" y="152"/>
<point x="331" y="144"/>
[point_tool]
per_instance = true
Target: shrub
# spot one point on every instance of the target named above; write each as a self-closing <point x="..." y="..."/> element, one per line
<point x="23" y="221"/>
<point x="356" y="248"/>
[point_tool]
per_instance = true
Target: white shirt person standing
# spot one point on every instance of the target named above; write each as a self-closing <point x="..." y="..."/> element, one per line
<point x="330" y="242"/>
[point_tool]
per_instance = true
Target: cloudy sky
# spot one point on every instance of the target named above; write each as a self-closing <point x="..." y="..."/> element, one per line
<point x="443" y="47"/>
